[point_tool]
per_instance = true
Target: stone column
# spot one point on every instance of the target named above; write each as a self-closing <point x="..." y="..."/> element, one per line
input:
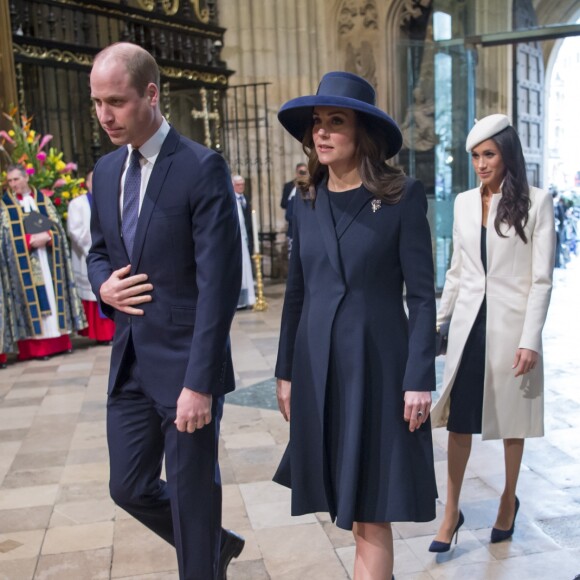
<point x="8" y="94"/>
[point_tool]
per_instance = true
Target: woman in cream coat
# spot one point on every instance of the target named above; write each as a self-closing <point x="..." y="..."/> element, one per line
<point x="496" y="297"/>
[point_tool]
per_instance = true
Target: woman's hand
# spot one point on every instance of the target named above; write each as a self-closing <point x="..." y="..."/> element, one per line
<point x="417" y="408"/>
<point x="283" y="394"/>
<point x="525" y="361"/>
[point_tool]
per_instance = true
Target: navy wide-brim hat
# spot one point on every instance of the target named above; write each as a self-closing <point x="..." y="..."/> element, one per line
<point x="344" y="90"/>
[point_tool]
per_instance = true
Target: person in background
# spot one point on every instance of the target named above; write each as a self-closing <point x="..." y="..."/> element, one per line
<point x="496" y="296"/>
<point x="40" y="275"/>
<point x="288" y="197"/>
<point x="247" y="293"/>
<point x="167" y="267"/>
<point x="354" y="373"/>
<point x="100" y="327"/>
<point x="8" y="326"/>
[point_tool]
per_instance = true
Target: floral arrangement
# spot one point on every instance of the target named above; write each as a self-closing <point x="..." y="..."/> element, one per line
<point x="47" y="170"/>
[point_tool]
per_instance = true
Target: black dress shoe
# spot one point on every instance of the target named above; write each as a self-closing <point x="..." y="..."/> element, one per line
<point x="231" y="547"/>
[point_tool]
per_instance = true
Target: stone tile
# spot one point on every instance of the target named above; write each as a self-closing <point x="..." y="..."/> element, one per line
<point x="15" y="479"/>
<point x="275" y="514"/>
<point x="49" y="433"/>
<point x="25" y="497"/>
<point x="25" y="519"/>
<point x="59" y="404"/>
<point x="338" y="537"/>
<point x="85" y="472"/>
<point x="468" y="550"/>
<point x="249" y="440"/>
<point x="91" y="490"/>
<point x="564" y="531"/>
<point x="17" y="569"/>
<point x="89" y="435"/>
<point x="317" y="559"/>
<point x="258" y="463"/>
<point x="26" y="393"/>
<point x="248" y="570"/>
<point x="562" y="564"/>
<point x="85" y="565"/>
<point x="20" y="545"/>
<point x="157" y="576"/>
<point x="39" y="460"/>
<point x="78" y="538"/>
<point x="527" y="539"/>
<point x="82" y="512"/>
<point x="139" y="551"/>
<point x="17" y="417"/>
<point x="82" y="456"/>
<point x="262" y="492"/>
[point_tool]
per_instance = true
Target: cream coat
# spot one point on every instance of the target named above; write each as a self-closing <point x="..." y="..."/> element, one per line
<point x="518" y="286"/>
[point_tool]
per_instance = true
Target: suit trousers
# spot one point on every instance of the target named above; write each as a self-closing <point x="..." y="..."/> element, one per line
<point x="185" y="510"/>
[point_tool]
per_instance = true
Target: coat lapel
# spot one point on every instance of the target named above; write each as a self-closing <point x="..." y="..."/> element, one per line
<point x="358" y="201"/>
<point x="327" y="230"/>
<point x="492" y="236"/>
<point x="472" y="218"/>
<point x="112" y="189"/>
<point x="158" y="175"/>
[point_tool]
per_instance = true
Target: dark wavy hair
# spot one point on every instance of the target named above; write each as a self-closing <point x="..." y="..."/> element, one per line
<point x="514" y="206"/>
<point x="385" y="181"/>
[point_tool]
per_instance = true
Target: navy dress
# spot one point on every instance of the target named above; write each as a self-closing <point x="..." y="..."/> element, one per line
<point x="466" y="398"/>
<point x="350" y="351"/>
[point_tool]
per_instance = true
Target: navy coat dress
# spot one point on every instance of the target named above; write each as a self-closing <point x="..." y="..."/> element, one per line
<point x="350" y="351"/>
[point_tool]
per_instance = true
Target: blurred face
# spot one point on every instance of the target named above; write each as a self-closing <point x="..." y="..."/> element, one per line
<point x="488" y="164"/>
<point x="18" y="182"/>
<point x="239" y="186"/>
<point x="126" y="116"/>
<point x="301" y="171"/>
<point x="334" y="135"/>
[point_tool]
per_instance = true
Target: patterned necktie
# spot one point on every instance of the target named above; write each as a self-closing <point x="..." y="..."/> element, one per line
<point x="242" y="200"/>
<point x="131" y="201"/>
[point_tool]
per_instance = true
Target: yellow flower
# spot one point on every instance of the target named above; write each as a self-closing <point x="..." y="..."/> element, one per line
<point x="65" y="214"/>
<point x="30" y="139"/>
<point x="60" y="165"/>
<point x="11" y="133"/>
<point x="65" y="195"/>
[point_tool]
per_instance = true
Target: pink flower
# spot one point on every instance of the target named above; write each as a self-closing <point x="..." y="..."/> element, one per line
<point x="59" y="183"/>
<point x="30" y="170"/>
<point x="47" y="192"/>
<point x="5" y="135"/>
<point x="70" y="167"/>
<point x="41" y="156"/>
<point x="46" y="139"/>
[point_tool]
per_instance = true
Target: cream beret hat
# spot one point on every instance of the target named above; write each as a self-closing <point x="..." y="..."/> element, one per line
<point x="485" y="129"/>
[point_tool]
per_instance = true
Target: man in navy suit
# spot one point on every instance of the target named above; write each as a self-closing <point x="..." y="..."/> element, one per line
<point x="165" y="265"/>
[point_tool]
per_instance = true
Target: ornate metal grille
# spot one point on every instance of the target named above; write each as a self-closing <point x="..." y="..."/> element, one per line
<point x="54" y="43"/>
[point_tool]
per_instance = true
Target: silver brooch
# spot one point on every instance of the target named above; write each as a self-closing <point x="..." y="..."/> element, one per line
<point x="376" y="205"/>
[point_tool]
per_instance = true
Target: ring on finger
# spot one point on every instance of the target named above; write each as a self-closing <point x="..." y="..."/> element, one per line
<point x="419" y="414"/>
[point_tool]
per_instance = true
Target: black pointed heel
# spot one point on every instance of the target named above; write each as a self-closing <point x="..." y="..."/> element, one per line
<point x="440" y="547"/>
<point x="502" y="535"/>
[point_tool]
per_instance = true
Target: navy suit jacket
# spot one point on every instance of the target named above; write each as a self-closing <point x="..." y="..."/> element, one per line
<point x="188" y="243"/>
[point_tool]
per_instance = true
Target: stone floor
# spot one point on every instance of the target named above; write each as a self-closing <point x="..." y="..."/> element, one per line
<point x="57" y="521"/>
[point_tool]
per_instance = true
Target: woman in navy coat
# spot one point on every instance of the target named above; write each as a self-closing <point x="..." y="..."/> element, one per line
<point x="354" y="372"/>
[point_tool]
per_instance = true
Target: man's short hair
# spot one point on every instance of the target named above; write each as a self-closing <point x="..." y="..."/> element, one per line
<point x="17" y="167"/>
<point x="140" y="65"/>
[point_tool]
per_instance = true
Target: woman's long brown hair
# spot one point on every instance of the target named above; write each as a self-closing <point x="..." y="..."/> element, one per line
<point x="514" y="206"/>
